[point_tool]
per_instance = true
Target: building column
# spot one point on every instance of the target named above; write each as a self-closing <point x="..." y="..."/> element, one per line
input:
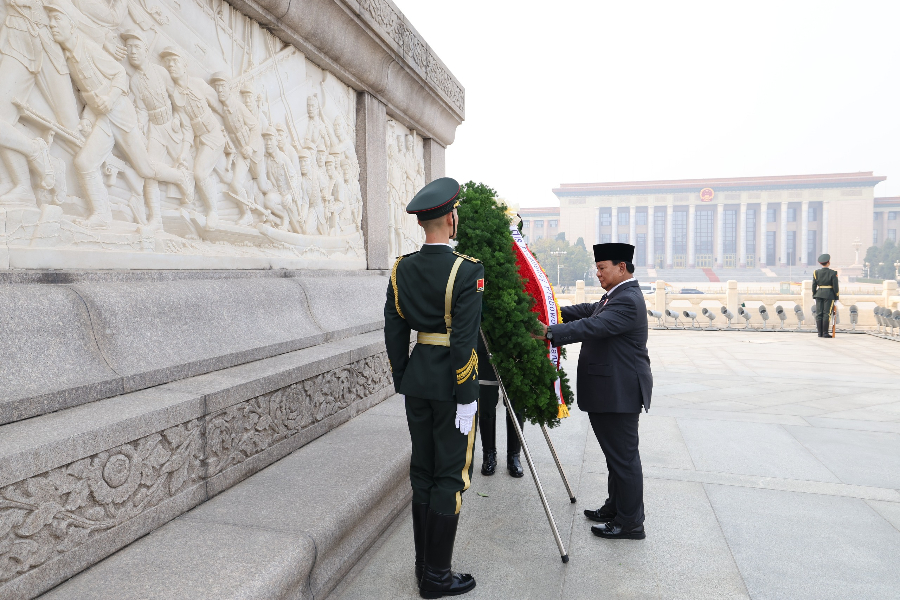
<point x="669" y="210"/>
<point x="651" y="251"/>
<point x="692" y="228"/>
<point x="614" y="223"/>
<point x="763" y="228"/>
<point x="824" y="227"/>
<point x="720" y="238"/>
<point x="804" y="231"/>
<point x="632" y="227"/>
<point x="784" y="253"/>
<point x="371" y="124"/>
<point x="742" y="236"/>
<point x="435" y="160"/>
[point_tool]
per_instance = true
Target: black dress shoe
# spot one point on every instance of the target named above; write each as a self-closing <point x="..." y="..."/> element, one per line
<point x="489" y="465"/>
<point x="514" y="465"/>
<point x="604" y="514"/>
<point x="614" y="531"/>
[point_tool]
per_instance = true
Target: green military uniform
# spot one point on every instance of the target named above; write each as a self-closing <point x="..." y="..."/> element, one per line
<point x="437" y="293"/>
<point x="489" y="396"/>
<point x="442" y="370"/>
<point x="826" y="290"/>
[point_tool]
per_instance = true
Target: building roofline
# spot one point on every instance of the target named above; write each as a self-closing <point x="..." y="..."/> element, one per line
<point x="669" y="186"/>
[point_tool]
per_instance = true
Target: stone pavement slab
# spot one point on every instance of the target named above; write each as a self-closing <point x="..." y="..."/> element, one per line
<point x="750" y="490"/>
<point x="750" y="449"/>
<point x="808" y="546"/>
<point x="858" y="457"/>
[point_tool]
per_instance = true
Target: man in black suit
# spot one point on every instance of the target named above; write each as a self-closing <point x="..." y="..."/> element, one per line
<point x="614" y="383"/>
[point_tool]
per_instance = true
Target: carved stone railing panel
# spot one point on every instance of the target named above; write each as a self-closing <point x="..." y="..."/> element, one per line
<point x="51" y="514"/>
<point x="406" y="175"/>
<point x="195" y="139"/>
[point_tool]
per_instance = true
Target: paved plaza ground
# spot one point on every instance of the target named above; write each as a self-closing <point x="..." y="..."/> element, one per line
<point x="772" y="471"/>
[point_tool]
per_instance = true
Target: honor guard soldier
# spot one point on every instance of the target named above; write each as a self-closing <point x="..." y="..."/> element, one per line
<point x="487" y="421"/>
<point x="437" y="293"/>
<point x="825" y="290"/>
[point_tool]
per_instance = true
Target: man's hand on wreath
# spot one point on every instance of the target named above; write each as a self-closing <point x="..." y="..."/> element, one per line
<point x="543" y="334"/>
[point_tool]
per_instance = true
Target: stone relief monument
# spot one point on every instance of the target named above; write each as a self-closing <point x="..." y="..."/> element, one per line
<point x="122" y="131"/>
<point x="406" y="175"/>
<point x="199" y="201"/>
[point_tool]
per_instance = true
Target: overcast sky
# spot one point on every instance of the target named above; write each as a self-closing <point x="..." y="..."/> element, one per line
<point x="568" y="91"/>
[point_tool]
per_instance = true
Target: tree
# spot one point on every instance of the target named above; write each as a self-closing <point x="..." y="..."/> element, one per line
<point x="881" y="260"/>
<point x="572" y="265"/>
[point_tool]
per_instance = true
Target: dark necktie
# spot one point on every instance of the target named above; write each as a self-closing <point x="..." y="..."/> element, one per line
<point x="604" y="299"/>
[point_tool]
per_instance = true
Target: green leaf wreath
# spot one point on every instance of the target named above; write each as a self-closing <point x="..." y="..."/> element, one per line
<point x="507" y="318"/>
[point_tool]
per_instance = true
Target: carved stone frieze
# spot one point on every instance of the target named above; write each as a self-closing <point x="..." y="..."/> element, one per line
<point x="414" y="49"/>
<point x="242" y="430"/>
<point x="55" y="512"/>
<point x="406" y="175"/>
<point x="171" y="127"/>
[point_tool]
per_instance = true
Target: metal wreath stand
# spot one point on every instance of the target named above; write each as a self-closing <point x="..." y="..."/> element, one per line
<point x="537" y="482"/>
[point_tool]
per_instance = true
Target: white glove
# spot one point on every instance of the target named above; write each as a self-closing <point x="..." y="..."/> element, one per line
<point x="464" y="416"/>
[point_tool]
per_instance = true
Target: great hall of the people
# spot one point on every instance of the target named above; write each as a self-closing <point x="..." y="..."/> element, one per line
<point x="736" y="222"/>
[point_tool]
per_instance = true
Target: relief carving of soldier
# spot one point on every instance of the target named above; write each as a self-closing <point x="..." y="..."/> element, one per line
<point x="192" y="99"/>
<point x="280" y="199"/>
<point x="316" y="128"/>
<point x="314" y="219"/>
<point x="246" y="136"/>
<point x="109" y="118"/>
<point x="166" y="139"/>
<point x="288" y="150"/>
<point x="29" y="56"/>
<point x="252" y="101"/>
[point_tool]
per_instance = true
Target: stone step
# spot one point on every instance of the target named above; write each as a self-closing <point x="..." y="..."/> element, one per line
<point x="291" y="531"/>
<point x="79" y="484"/>
<point x="88" y="336"/>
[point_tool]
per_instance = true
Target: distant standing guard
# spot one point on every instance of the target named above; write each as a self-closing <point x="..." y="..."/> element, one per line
<point x="437" y="292"/>
<point x="826" y="290"/>
<point x="614" y="384"/>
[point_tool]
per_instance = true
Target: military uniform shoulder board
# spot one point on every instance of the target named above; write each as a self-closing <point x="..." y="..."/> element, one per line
<point x="410" y="254"/>
<point x="474" y="260"/>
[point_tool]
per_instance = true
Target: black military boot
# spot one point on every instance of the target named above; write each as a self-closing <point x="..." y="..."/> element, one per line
<point x="513" y="446"/>
<point x="438" y="580"/>
<point x="819" y="327"/>
<point x="488" y="425"/>
<point x="825" y="328"/>
<point x="420" y="515"/>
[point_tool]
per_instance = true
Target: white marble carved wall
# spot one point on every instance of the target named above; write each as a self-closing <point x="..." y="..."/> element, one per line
<point x="406" y="176"/>
<point x="174" y="131"/>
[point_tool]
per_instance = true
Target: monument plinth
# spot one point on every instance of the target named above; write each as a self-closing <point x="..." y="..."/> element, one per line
<point x="198" y="200"/>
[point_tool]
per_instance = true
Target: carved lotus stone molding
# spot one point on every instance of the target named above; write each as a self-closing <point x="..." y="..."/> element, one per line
<point x="55" y="512"/>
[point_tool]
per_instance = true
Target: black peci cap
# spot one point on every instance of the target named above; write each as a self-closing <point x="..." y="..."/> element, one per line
<point x="435" y="199"/>
<point x="616" y="252"/>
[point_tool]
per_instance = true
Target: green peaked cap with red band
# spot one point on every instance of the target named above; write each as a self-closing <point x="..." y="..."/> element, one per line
<point x="435" y="199"/>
